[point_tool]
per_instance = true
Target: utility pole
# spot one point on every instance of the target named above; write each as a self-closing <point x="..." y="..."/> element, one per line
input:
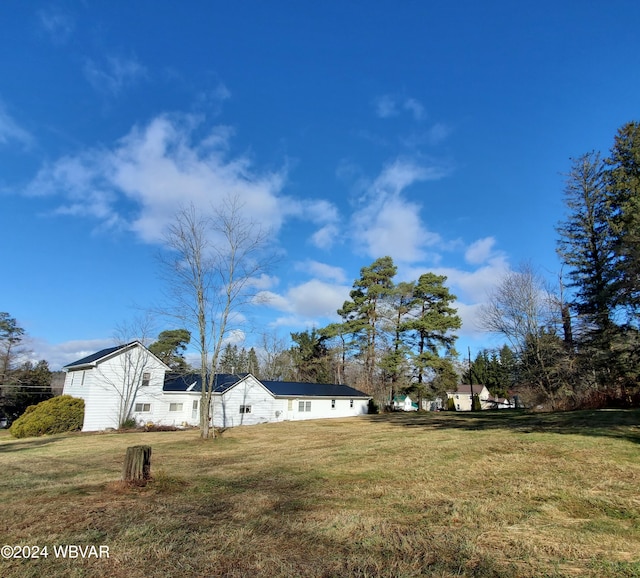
<point x="470" y="379"/>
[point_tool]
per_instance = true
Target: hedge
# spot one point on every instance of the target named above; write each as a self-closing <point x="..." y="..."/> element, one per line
<point x="56" y="415"/>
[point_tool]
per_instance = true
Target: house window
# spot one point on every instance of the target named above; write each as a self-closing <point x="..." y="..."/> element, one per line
<point x="333" y="404"/>
<point x="195" y="405"/>
<point x="304" y="406"/>
<point x="146" y="378"/>
<point x="143" y="407"/>
<point x="290" y="405"/>
<point x="350" y="403"/>
<point x="82" y="380"/>
<point x="245" y="409"/>
<point x="175" y="407"/>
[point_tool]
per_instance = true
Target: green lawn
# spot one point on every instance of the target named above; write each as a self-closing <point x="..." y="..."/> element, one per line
<point x="490" y="494"/>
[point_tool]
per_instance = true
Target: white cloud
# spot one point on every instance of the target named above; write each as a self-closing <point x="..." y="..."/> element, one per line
<point x="160" y="167"/>
<point x="474" y="286"/>
<point x="264" y="282"/>
<point x="479" y="251"/>
<point x="322" y="270"/>
<point x="312" y="299"/>
<point x="114" y="75"/>
<point x="325" y="237"/>
<point x="387" y="223"/>
<point x="10" y="130"/>
<point x="60" y="354"/>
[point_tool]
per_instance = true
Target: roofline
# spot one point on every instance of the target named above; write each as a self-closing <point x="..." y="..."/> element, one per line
<point x="95" y="362"/>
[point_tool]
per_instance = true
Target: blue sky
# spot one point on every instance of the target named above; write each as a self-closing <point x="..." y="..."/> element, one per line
<point x="434" y="132"/>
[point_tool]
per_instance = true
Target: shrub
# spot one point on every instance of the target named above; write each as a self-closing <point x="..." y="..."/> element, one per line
<point x="56" y="415"/>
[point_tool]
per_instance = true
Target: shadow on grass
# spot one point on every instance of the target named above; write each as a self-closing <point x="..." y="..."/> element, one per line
<point x="612" y="423"/>
<point x="17" y="446"/>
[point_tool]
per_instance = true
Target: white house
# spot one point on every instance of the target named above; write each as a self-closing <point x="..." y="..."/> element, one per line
<point x="113" y="381"/>
<point x="403" y="402"/>
<point x="462" y="398"/>
<point x="164" y="398"/>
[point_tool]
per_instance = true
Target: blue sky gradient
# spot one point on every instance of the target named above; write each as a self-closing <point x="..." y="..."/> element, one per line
<point x="434" y="132"/>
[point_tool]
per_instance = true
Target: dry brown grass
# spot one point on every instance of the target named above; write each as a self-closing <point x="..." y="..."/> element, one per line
<point x="504" y="495"/>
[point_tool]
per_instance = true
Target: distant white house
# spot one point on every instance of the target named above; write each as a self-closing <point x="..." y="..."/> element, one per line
<point x="402" y="402"/>
<point x="163" y="398"/>
<point x="462" y="398"/>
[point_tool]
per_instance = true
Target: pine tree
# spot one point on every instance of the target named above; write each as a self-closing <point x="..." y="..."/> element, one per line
<point x="586" y="245"/>
<point x="624" y="189"/>
<point x="363" y="314"/>
<point x="432" y="322"/>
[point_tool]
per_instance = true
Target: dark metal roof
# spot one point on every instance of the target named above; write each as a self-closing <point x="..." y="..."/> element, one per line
<point x="96" y="356"/>
<point x="223" y="381"/>
<point x="299" y="389"/>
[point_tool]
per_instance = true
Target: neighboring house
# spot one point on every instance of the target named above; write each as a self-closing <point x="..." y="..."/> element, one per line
<point x="462" y="396"/>
<point x="403" y="402"/>
<point x="432" y="404"/>
<point x="170" y="399"/>
<point x="500" y="403"/>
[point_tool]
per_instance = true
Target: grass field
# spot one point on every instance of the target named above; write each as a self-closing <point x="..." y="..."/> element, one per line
<point x="492" y="494"/>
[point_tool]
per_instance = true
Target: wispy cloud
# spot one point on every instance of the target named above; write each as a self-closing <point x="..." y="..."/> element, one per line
<point x="58" y="25"/>
<point x="114" y="75"/>
<point x="159" y="166"/>
<point x="386" y="221"/>
<point x="389" y="106"/>
<point x="11" y="131"/>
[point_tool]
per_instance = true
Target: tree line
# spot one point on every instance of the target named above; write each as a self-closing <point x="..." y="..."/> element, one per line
<point x="578" y="344"/>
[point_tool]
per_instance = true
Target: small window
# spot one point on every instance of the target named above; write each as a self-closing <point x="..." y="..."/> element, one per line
<point x="146" y="378"/>
<point x="301" y="406"/>
<point x="143" y="407"/>
<point x="350" y="403"/>
<point x="175" y="407"/>
<point x="195" y="404"/>
<point x="290" y="405"/>
<point x="245" y="409"/>
<point x="333" y="404"/>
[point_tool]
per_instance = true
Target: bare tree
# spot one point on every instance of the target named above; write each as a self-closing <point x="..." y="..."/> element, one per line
<point x="134" y="362"/>
<point x="275" y="360"/>
<point x="524" y="311"/>
<point x="210" y="267"/>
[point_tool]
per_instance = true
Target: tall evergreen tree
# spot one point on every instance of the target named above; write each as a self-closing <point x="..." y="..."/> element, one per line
<point x="624" y="188"/>
<point x="432" y="321"/>
<point x="395" y="360"/>
<point x="586" y="244"/>
<point x="363" y="314"/>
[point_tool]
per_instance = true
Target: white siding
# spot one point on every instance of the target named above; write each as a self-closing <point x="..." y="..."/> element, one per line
<point x="161" y="413"/>
<point x="249" y="392"/>
<point x="321" y="407"/>
<point x="102" y="384"/>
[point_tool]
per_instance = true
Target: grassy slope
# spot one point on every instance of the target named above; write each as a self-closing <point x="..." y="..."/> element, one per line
<point x="399" y="495"/>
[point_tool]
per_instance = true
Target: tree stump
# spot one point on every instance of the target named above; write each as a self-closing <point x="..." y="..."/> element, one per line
<point x="137" y="465"/>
